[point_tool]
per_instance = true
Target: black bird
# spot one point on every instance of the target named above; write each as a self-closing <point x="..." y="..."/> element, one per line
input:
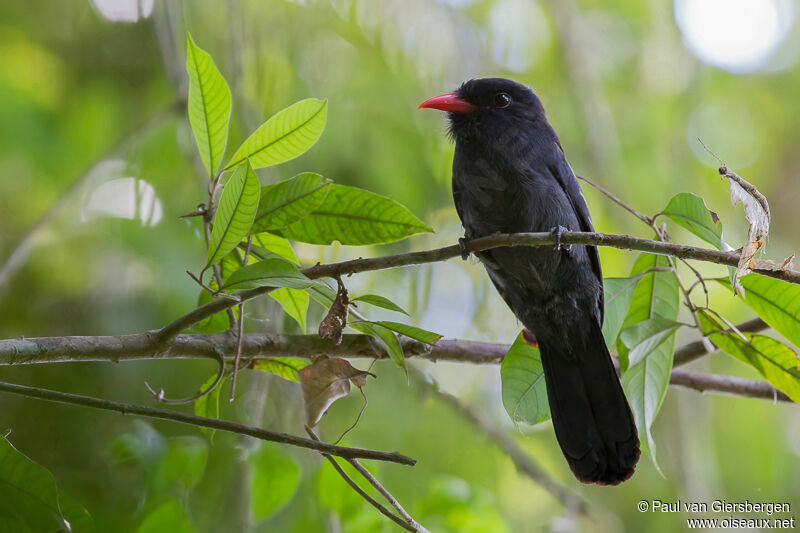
<point x="510" y="175"/>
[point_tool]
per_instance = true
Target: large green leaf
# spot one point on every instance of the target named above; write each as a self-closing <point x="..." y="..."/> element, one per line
<point x="273" y="272"/>
<point x="235" y="213"/>
<point x="428" y="337"/>
<point x="354" y="216"/>
<point x="646" y="382"/>
<point x="645" y="336"/>
<point x="169" y="516"/>
<point x="524" y="390"/>
<point x="689" y="211"/>
<point x="775" y="361"/>
<point x="294" y="302"/>
<point x="386" y="338"/>
<point x="379" y="301"/>
<point x="209" y="106"/>
<point x="275" y="479"/>
<point x="284" y="203"/>
<point x="656" y="294"/>
<point x="618" y="294"/>
<point x="286" y="135"/>
<point x="777" y="302"/>
<point x="28" y="493"/>
<point x="285" y="367"/>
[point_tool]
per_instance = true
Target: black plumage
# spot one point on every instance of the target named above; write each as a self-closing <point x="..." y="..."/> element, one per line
<point x="510" y="175"/>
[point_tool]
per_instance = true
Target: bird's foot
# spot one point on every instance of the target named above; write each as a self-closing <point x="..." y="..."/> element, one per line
<point x="462" y="245"/>
<point x="557" y="232"/>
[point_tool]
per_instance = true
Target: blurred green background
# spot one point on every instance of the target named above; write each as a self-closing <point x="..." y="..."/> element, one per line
<point x="92" y="122"/>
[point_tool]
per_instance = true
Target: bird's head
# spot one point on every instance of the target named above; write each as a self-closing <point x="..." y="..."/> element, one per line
<point x="488" y="108"/>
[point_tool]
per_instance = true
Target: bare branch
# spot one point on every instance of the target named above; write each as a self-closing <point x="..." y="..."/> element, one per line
<point x="695" y="350"/>
<point x="214" y="423"/>
<point x="727" y="385"/>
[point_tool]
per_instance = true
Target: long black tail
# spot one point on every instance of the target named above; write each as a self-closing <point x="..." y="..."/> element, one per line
<point x="591" y="416"/>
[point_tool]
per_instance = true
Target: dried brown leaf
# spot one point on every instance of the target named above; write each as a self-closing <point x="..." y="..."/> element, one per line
<point x="325" y="381"/>
<point x="332" y="326"/>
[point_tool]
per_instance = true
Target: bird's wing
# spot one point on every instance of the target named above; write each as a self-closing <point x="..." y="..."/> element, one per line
<point x="564" y="175"/>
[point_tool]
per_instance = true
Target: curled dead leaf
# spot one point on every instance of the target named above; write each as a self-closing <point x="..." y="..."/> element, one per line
<point x="332" y="326"/>
<point x="325" y="381"/>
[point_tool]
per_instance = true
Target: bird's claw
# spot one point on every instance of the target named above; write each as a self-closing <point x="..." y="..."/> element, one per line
<point x="462" y="245"/>
<point x="557" y="232"/>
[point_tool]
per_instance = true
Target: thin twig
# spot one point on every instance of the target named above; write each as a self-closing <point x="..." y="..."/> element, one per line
<point x="361" y="412"/>
<point x="240" y="332"/>
<point x="524" y="463"/>
<point x="159" y="396"/>
<point x="214" y="423"/>
<point x="727" y="385"/>
<point x="647" y="220"/>
<point x="695" y="350"/>
<point x="372" y="501"/>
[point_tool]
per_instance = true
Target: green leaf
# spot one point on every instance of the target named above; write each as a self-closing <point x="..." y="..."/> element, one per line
<point x="775" y="361"/>
<point x="523" y="384"/>
<point x="656" y="294"/>
<point x="644" y="337"/>
<point x="286" y="135"/>
<point x="354" y="216"/>
<point x="428" y="337"/>
<point x="645" y="386"/>
<point x="777" y="302"/>
<point x="285" y="367"/>
<point x="167" y="517"/>
<point x="618" y="295"/>
<point x="208" y="405"/>
<point x="275" y="480"/>
<point x="386" y="338"/>
<point x="209" y="106"/>
<point x="235" y="213"/>
<point x="284" y="203"/>
<point x="690" y="212"/>
<point x="80" y="521"/>
<point x="380" y="301"/>
<point x="182" y="465"/>
<point x="274" y="244"/>
<point x="294" y="302"/>
<point x="274" y="272"/>
<point x="28" y="492"/>
<point x="645" y="383"/>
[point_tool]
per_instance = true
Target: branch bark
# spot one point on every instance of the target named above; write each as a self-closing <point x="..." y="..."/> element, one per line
<point x="214" y="423"/>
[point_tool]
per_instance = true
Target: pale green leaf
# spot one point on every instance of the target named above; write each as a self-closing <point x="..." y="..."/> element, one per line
<point x="208" y="404"/>
<point x="285" y="367"/>
<point x="209" y="106"/>
<point x="379" y="301"/>
<point x="272" y="272"/>
<point x="286" y="135"/>
<point x="428" y="337"/>
<point x="294" y="302"/>
<point x="355" y="217"/>
<point x="656" y="294"/>
<point x="386" y="338"/>
<point x="690" y="212"/>
<point x="523" y="383"/>
<point x="235" y="213"/>
<point x="286" y="202"/>
<point x="618" y="294"/>
<point x="274" y="244"/>
<point x="645" y="336"/>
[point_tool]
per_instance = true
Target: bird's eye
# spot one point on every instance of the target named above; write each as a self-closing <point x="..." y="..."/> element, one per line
<point x="501" y="100"/>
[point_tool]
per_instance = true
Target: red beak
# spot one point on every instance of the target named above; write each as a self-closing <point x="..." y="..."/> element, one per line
<point x="449" y="102"/>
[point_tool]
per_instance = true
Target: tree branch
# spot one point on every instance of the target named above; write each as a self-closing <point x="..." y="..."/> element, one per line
<point x="727" y="385"/>
<point x="224" y="425"/>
